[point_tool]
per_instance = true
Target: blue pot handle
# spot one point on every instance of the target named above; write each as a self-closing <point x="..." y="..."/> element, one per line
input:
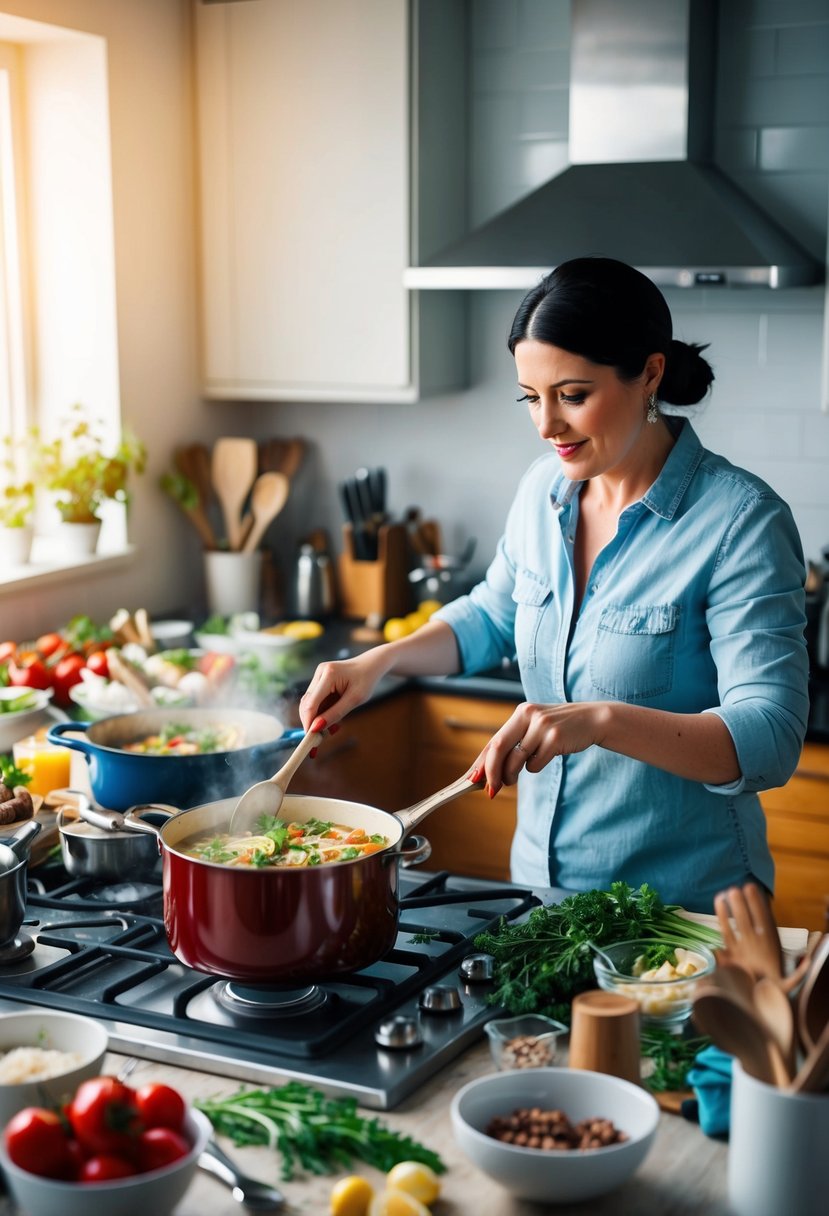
<point x="54" y="735"/>
<point x="292" y="736"/>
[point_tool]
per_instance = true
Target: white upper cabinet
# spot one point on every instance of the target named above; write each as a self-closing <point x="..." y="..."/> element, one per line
<point x="304" y="168"/>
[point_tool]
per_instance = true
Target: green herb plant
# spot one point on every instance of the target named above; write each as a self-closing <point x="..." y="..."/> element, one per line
<point x="311" y="1131"/>
<point x="17" y="487"/>
<point x="11" y="775"/>
<point x="84" y="476"/>
<point x="542" y="962"/>
<point x="672" y="1057"/>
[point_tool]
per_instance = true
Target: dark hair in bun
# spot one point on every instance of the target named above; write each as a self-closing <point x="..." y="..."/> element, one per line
<point x="612" y="314"/>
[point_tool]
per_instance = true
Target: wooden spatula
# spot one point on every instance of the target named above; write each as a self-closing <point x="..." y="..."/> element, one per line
<point x="233" y="469"/>
<point x="269" y="495"/>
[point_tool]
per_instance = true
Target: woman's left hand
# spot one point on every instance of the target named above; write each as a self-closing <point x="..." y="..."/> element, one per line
<point x="536" y="734"/>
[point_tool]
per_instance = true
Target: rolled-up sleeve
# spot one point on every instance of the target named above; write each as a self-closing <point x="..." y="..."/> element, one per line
<point x="756" y="620"/>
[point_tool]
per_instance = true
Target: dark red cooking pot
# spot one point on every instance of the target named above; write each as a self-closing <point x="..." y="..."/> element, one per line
<point x="285" y="926"/>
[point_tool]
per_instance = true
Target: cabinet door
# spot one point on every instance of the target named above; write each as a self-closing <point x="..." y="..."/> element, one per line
<point x="798" y="829"/>
<point x="304" y="166"/>
<point x="473" y="834"/>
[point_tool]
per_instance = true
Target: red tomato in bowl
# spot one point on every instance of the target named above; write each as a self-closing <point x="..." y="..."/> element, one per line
<point x="104" y="1116"/>
<point x="160" y="1146"/>
<point x="29" y="671"/>
<point x="98" y="663"/>
<point x="49" y="643"/>
<point x="36" y="1141"/>
<point x="105" y="1167"/>
<point x="161" y="1106"/>
<point x="65" y="675"/>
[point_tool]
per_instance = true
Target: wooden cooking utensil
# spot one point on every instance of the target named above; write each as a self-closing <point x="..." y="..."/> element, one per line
<point x="813" y="998"/>
<point x="266" y="797"/>
<point x="120" y="670"/>
<point x="749" y="931"/>
<point x="281" y="456"/>
<point x="737" y="1030"/>
<point x="775" y="1009"/>
<point x="268" y="497"/>
<point x="233" y="469"/>
<point x="813" y="1076"/>
<point x="190" y="468"/>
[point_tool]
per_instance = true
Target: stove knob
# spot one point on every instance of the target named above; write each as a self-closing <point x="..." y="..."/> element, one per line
<point x="477" y="968"/>
<point x="398" y="1032"/>
<point x="440" y="998"/>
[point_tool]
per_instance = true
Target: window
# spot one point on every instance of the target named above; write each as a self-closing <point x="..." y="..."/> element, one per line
<point x="14" y="413"/>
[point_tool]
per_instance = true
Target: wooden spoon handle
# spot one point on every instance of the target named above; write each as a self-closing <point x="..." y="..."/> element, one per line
<point x="305" y="745"/>
<point x="412" y="815"/>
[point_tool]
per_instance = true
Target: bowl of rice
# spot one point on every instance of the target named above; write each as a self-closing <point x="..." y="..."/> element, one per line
<point x="44" y="1056"/>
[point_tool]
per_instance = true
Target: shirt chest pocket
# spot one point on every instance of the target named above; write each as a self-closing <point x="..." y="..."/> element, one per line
<point x="633" y="658"/>
<point x="531" y="595"/>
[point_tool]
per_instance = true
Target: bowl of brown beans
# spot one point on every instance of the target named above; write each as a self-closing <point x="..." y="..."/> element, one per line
<point x="526" y="1041"/>
<point x="554" y="1135"/>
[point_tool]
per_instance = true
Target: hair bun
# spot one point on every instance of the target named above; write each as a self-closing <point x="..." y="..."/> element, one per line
<point x="688" y="376"/>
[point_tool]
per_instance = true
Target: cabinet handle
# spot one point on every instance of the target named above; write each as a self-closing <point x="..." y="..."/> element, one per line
<point x="812" y="775"/>
<point x="462" y="724"/>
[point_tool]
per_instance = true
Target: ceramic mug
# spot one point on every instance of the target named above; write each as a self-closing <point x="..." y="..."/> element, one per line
<point x="232" y="581"/>
<point x="777" y="1150"/>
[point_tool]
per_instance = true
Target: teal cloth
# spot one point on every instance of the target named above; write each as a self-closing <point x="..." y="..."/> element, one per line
<point x="710" y="1079"/>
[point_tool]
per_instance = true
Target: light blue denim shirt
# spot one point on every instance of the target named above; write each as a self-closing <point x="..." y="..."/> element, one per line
<point x="696" y="605"/>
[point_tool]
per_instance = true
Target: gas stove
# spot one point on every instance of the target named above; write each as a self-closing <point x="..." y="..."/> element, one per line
<point x="376" y="1035"/>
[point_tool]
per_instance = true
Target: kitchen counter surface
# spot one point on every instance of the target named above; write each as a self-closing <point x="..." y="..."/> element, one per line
<point x="684" y="1174"/>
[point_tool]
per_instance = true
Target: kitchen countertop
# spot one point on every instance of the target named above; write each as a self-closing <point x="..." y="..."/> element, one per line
<point x="684" y="1174"/>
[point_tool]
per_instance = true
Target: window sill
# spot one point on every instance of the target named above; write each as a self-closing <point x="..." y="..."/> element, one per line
<point x="48" y="571"/>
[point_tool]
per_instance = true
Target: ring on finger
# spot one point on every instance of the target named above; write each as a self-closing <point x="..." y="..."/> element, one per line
<point x="520" y="748"/>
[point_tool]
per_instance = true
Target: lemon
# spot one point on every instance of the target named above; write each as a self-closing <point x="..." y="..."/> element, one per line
<point x="416" y="1179"/>
<point x="395" y="628"/>
<point x="396" y="1203"/>
<point x="351" y="1196"/>
<point x="415" y="619"/>
<point x="429" y="608"/>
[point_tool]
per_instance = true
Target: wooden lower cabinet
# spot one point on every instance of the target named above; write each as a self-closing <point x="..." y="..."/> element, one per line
<point x="798" y="828"/>
<point x="471" y="835"/>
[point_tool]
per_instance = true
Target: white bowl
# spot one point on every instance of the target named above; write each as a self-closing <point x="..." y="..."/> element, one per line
<point x="155" y="1193"/>
<point x="22" y="722"/>
<point x="219" y="643"/>
<point x="55" y="1032"/>
<point x="172" y="635"/>
<point x="555" y="1176"/>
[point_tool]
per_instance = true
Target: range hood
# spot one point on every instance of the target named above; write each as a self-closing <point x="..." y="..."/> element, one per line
<point x="640" y="185"/>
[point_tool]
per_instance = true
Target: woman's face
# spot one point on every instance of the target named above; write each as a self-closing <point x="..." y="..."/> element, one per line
<point x="592" y="419"/>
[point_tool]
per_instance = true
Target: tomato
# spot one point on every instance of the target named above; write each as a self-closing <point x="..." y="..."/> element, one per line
<point x="217" y="667"/>
<point x="28" y="671"/>
<point x="37" y="1142"/>
<point x="105" y="1167"/>
<point x="66" y="674"/>
<point x="160" y="1146"/>
<point x="49" y="643"/>
<point x="161" y="1106"/>
<point x="104" y="1116"/>
<point x="98" y="662"/>
<point x="7" y="651"/>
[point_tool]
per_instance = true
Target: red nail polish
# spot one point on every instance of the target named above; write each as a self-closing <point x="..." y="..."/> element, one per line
<point x="313" y="753"/>
<point x="332" y="730"/>
<point x="476" y="774"/>
<point x="317" y="725"/>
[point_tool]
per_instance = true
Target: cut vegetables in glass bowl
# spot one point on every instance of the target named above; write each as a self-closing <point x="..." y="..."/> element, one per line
<point x="662" y="977"/>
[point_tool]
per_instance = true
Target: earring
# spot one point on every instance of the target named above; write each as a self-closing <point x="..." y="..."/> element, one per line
<point x="653" y="412"/>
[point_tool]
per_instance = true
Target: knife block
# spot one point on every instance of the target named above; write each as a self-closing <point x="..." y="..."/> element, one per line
<point x="376" y="588"/>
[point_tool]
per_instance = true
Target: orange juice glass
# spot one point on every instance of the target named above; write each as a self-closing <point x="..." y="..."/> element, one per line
<point x="47" y="765"/>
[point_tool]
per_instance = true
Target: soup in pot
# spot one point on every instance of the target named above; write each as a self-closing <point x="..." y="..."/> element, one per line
<point x="280" y="843"/>
<point x="176" y="739"/>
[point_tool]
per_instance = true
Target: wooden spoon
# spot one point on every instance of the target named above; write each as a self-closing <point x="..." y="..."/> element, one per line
<point x="737" y="1030"/>
<point x="749" y="933"/>
<point x="233" y="469"/>
<point x="775" y="1009"/>
<point x="266" y="797"/>
<point x="269" y="495"/>
<point x="813" y="998"/>
<point x="813" y="1076"/>
<point x="186" y="465"/>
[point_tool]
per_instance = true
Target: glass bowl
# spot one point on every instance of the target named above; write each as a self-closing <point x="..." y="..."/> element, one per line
<point x="664" y="1000"/>
<point x="527" y="1041"/>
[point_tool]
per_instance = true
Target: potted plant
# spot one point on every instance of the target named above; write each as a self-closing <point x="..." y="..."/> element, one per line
<point x="17" y="502"/>
<point x="83" y="476"/>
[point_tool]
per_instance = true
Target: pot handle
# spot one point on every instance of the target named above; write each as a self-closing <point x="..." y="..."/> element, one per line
<point x="56" y="732"/>
<point x="412" y="815"/>
<point x="20" y="841"/>
<point x="419" y="850"/>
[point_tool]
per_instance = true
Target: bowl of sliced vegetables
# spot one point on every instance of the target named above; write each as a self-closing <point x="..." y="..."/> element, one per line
<point x="20" y="710"/>
<point x="660" y="976"/>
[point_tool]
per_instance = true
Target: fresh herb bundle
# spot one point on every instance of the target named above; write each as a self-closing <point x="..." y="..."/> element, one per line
<point x="544" y="961"/>
<point x="672" y="1058"/>
<point x="312" y="1131"/>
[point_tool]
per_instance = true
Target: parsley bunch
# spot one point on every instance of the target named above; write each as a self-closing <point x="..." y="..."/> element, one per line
<point x="543" y="962"/>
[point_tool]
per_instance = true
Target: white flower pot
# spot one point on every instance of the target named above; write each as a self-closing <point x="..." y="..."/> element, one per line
<point x="78" y="540"/>
<point x="16" y="545"/>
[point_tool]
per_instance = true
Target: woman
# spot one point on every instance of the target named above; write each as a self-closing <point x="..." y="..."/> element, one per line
<point x="654" y="595"/>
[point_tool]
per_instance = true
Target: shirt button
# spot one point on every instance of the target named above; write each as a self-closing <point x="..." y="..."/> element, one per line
<point x="594" y="588"/>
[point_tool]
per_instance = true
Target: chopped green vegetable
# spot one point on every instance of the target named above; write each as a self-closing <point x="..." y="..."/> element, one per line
<point x="25" y="699"/>
<point x="544" y="961"/>
<point x="672" y="1058"/>
<point x="312" y="1131"/>
<point x="216" y="624"/>
<point x="11" y="775"/>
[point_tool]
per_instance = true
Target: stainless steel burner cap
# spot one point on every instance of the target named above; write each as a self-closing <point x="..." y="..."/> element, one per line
<point x="440" y="998"/>
<point x="477" y="968"/>
<point x="399" y="1031"/>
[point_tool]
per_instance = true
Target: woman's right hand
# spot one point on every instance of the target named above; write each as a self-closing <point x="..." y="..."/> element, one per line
<point x="339" y="686"/>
